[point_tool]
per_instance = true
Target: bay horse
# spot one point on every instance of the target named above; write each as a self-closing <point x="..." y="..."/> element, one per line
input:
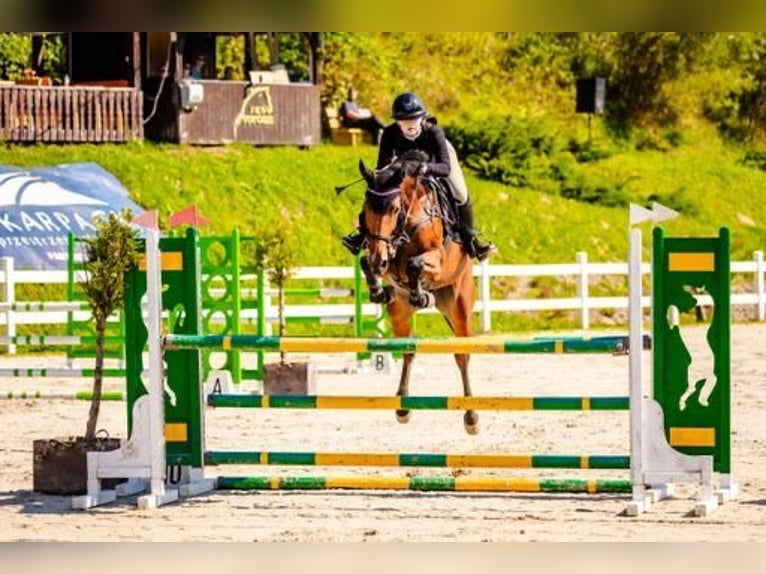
<point x="406" y="247"/>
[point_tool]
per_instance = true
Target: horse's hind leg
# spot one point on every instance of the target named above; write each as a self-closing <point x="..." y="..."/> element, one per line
<point x="458" y="314"/>
<point x="401" y="322"/>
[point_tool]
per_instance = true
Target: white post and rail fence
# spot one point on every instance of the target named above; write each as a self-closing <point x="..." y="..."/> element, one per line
<point x="749" y="291"/>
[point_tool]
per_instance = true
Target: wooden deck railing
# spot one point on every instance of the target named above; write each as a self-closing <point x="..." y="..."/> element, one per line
<point x="70" y="114"/>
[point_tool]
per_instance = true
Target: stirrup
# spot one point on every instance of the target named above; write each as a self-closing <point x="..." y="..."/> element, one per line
<point x="482" y="250"/>
<point x="476" y="249"/>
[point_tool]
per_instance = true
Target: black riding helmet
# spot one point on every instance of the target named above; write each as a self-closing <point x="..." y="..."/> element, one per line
<point x="407" y="106"/>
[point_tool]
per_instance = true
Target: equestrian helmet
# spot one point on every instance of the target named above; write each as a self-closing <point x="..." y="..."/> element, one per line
<point x="407" y="106"/>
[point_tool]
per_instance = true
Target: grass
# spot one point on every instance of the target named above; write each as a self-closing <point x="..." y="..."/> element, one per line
<point x="251" y="188"/>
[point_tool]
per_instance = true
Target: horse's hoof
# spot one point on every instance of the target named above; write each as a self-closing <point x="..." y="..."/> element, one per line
<point x="424" y="301"/>
<point x="471" y="423"/>
<point x="403" y="417"/>
<point x="381" y="296"/>
<point x="377" y="295"/>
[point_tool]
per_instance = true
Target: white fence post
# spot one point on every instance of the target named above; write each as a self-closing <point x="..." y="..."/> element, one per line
<point x="485" y="296"/>
<point x="582" y="289"/>
<point x="759" y="286"/>
<point x="269" y="331"/>
<point x="9" y="296"/>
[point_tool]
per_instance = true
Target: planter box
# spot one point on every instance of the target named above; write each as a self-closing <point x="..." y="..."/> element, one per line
<point x="61" y="467"/>
<point x="289" y="379"/>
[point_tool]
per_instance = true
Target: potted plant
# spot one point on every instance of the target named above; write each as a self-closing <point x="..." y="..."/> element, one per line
<point x="60" y="466"/>
<point x="276" y="252"/>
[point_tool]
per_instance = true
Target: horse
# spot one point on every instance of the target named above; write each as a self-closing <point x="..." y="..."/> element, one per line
<point x="405" y="246"/>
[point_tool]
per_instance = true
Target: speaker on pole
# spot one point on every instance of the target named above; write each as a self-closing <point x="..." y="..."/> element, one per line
<point x="591" y="96"/>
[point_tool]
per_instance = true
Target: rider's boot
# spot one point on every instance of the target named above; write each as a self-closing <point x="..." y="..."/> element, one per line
<point x="354" y="241"/>
<point x="474" y="247"/>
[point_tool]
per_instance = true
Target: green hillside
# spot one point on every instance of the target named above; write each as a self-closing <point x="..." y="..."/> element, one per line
<point x="249" y="188"/>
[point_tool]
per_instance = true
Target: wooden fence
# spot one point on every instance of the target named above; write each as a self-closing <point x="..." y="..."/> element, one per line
<point x="70" y="114"/>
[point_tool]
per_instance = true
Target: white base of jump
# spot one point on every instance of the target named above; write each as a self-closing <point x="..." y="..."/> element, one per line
<point x="660" y="466"/>
<point x="727" y="490"/>
<point x="133" y="460"/>
<point x="193" y="482"/>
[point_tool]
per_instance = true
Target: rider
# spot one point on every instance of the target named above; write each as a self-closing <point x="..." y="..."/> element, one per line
<point x="413" y="130"/>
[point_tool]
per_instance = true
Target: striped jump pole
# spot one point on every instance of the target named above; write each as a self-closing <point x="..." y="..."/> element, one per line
<point x="60" y="373"/>
<point x="54" y="340"/>
<point x="425" y="483"/>
<point x="474" y="345"/>
<point x="527" y="461"/>
<point x="42" y="306"/>
<point x="418" y="403"/>
<point x="431" y="460"/>
<point x="73" y="395"/>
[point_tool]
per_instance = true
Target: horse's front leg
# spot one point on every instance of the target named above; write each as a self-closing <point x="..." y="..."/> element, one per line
<point x="456" y="305"/>
<point x="401" y="323"/>
<point x="471" y="417"/>
<point x="419" y="298"/>
<point x="378" y="293"/>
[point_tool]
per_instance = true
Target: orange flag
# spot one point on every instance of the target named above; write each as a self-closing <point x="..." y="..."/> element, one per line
<point x="147" y="220"/>
<point x="188" y="216"/>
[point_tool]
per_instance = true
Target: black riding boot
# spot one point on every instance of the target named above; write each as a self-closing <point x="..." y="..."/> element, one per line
<point x="354" y="241"/>
<point x="474" y="247"/>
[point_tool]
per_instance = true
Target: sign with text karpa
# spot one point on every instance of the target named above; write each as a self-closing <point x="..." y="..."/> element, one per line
<point x="40" y="207"/>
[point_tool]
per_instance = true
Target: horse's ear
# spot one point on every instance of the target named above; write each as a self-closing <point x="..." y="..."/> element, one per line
<point x="366" y="173"/>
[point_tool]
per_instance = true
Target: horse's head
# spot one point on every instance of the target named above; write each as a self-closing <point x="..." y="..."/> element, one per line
<point x="384" y="215"/>
<point x="388" y="201"/>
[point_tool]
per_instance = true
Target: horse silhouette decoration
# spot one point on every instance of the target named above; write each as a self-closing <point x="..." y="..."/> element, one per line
<point x="407" y="248"/>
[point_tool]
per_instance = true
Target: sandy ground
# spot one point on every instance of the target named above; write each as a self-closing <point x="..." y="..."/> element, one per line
<point x="402" y="516"/>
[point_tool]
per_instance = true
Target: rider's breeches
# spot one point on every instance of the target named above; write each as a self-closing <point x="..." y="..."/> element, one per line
<point x="459" y="187"/>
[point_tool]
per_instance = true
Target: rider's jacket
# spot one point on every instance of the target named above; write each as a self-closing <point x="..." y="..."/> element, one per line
<point x="431" y="141"/>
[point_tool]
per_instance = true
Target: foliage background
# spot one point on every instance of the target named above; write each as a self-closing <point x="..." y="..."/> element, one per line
<point x="684" y="126"/>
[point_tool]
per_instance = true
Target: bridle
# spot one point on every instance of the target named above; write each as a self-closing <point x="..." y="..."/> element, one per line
<point x="400" y="235"/>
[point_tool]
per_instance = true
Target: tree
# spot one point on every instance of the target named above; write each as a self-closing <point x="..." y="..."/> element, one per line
<point x="109" y="254"/>
<point x="752" y="99"/>
<point x="276" y="254"/>
<point x="643" y="63"/>
<point x="15" y="54"/>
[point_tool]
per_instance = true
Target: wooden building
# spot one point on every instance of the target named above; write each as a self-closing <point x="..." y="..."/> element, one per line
<point x="124" y="86"/>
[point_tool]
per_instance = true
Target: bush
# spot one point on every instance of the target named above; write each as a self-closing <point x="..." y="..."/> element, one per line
<point x="15" y="52"/>
<point x="527" y="153"/>
<point x="504" y="149"/>
<point x="755" y="158"/>
<point x="589" y="151"/>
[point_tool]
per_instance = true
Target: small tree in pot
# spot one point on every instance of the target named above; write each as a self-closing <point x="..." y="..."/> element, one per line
<point x="109" y="255"/>
<point x="276" y="254"/>
<point x="60" y="466"/>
